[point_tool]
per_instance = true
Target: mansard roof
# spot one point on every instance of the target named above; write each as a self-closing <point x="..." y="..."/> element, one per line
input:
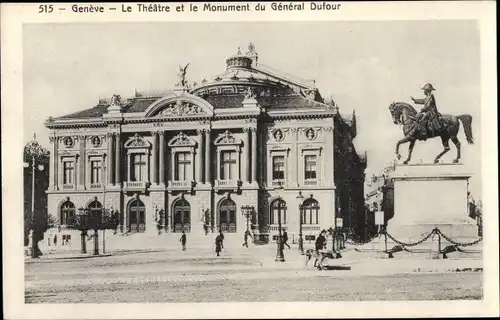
<point x="271" y="89"/>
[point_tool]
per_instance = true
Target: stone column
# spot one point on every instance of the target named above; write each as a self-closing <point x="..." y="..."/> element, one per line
<point x="254" y="154"/>
<point x="199" y="178"/>
<point x="246" y="153"/>
<point x="81" y="169"/>
<point x="208" y="145"/>
<point x="118" y="146"/>
<point x="154" y="166"/>
<point x="110" y="158"/>
<point x="53" y="168"/>
<point x="162" y="157"/>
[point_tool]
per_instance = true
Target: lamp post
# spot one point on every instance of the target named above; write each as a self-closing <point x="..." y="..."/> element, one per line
<point x="300" y="197"/>
<point x="82" y="222"/>
<point x="280" y="256"/>
<point x="247" y="211"/>
<point x="339" y="222"/>
<point x="35" y="150"/>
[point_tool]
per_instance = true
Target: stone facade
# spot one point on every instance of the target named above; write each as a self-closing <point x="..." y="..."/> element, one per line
<point x="190" y="158"/>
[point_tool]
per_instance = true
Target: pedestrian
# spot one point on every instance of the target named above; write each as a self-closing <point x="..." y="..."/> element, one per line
<point x="320" y="241"/>
<point x="245" y="238"/>
<point x="218" y="244"/>
<point x="221" y="239"/>
<point x="285" y="239"/>
<point x="183" y="240"/>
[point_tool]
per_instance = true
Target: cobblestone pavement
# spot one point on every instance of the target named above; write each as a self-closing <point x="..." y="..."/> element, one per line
<point x="198" y="275"/>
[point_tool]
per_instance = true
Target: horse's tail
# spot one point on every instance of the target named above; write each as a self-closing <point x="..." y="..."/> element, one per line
<point x="467" y="122"/>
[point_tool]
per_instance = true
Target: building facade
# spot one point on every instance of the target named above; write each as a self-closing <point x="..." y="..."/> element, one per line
<point x="191" y="158"/>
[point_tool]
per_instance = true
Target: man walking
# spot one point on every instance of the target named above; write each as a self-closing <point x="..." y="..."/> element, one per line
<point x="245" y="238"/>
<point x="285" y="238"/>
<point x="183" y="240"/>
<point x="218" y="244"/>
<point x="221" y="239"/>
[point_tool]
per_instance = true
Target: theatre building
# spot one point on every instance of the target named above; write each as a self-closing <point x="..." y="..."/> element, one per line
<point x="241" y="150"/>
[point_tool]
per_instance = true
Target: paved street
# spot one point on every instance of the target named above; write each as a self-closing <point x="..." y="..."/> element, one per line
<point x="248" y="275"/>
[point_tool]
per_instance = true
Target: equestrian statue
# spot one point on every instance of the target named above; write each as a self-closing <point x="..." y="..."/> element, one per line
<point x="429" y="123"/>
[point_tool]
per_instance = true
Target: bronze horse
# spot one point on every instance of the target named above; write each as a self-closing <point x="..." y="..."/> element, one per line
<point x="403" y="113"/>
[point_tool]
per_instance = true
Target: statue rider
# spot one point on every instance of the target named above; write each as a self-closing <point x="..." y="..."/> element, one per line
<point x="429" y="112"/>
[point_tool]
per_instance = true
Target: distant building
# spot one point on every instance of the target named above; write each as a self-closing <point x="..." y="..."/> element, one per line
<point x="192" y="157"/>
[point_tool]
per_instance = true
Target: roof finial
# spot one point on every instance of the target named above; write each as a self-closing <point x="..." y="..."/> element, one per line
<point x="34" y="136"/>
<point x="239" y="50"/>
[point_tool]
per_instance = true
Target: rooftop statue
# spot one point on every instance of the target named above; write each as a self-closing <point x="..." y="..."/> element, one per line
<point x="429" y="123"/>
<point x="182" y="76"/>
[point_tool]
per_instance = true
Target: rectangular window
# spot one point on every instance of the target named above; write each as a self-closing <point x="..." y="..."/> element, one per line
<point x="95" y="171"/>
<point x="68" y="172"/>
<point x="310" y="167"/>
<point x="183" y="166"/>
<point x="228" y="165"/>
<point x="278" y="168"/>
<point x="138" y="167"/>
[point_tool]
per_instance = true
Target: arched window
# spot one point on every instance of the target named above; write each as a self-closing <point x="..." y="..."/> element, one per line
<point x="182" y="216"/>
<point x="136" y="216"/>
<point x="310" y="211"/>
<point x="67" y="214"/>
<point x="227" y="216"/>
<point x="278" y="208"/>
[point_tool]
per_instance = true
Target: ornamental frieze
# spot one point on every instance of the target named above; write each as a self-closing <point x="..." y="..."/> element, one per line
<point x="227" y="138"/>
<point x="180" y="108"/>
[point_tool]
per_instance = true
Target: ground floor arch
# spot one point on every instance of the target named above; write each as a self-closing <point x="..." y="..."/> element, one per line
<point x="226" y="216"/>
<point x="136" y="216"/>
<point x="181" y="216"/>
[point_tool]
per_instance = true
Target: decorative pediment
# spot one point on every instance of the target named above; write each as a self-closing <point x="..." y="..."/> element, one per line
<point x="181" y="140"/>
<point x="137" y="142"/>
<point x="227" y="138"/>
<point x="180" y="106"/>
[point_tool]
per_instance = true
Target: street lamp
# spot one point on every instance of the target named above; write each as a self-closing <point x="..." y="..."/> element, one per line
<point x="247" y="211"/>
<point x="82" y="217"/>
<point x="300" y="197"/>
<point x="339" y="225"/>
<point x="280" y="256"/>
<point x="35" y="150"/>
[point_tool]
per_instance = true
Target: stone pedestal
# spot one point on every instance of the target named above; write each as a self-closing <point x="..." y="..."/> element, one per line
<point x="430" y="196"/>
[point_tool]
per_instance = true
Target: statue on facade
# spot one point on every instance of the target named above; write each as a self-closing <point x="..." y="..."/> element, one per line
<point x="182" y="76"/>
<point x="115" y="100"/>
<point x="404" y="114"/>
<point x="249" y="94"/>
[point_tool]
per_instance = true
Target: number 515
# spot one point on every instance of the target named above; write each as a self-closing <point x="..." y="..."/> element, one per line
<point x="43" y="8"/>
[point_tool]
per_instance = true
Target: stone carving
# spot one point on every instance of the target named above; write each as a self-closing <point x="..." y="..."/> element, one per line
<point x="115" y="100"/>
<point x="249" y="94"/>
<point x="136" y="141"/>
<point x="181" y="109"/>
<point x="251" y="49"/>
<point x="227" y="138"/>
<point x="181" y="74"/>
<point x="69" y="142"/>
<point x="181" y="140"/>
<point x="96" y="141"/>
<point x="311" y="134"/>
<point x="278" y="135"/>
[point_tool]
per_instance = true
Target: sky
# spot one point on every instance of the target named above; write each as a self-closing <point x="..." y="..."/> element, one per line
<point x="364" y="66"/>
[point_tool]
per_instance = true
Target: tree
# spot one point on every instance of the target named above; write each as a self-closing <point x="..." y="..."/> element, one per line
<point x="94" y="220"/>
<point x="36" y="182"/>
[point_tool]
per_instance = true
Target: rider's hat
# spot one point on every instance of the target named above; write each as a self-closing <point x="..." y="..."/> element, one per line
<point x="428" y="86"/>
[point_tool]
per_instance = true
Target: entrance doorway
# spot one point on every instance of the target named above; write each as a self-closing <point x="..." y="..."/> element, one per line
<point x="182" y="216"/>
<point x="137" y="216"/>
<point x="227" y="216"/>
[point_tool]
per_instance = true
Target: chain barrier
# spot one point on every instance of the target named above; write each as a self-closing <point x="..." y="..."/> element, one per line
<point x="411" y="244"/>
<point x="467" y="244"/>
<point x="434" y="231"/>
